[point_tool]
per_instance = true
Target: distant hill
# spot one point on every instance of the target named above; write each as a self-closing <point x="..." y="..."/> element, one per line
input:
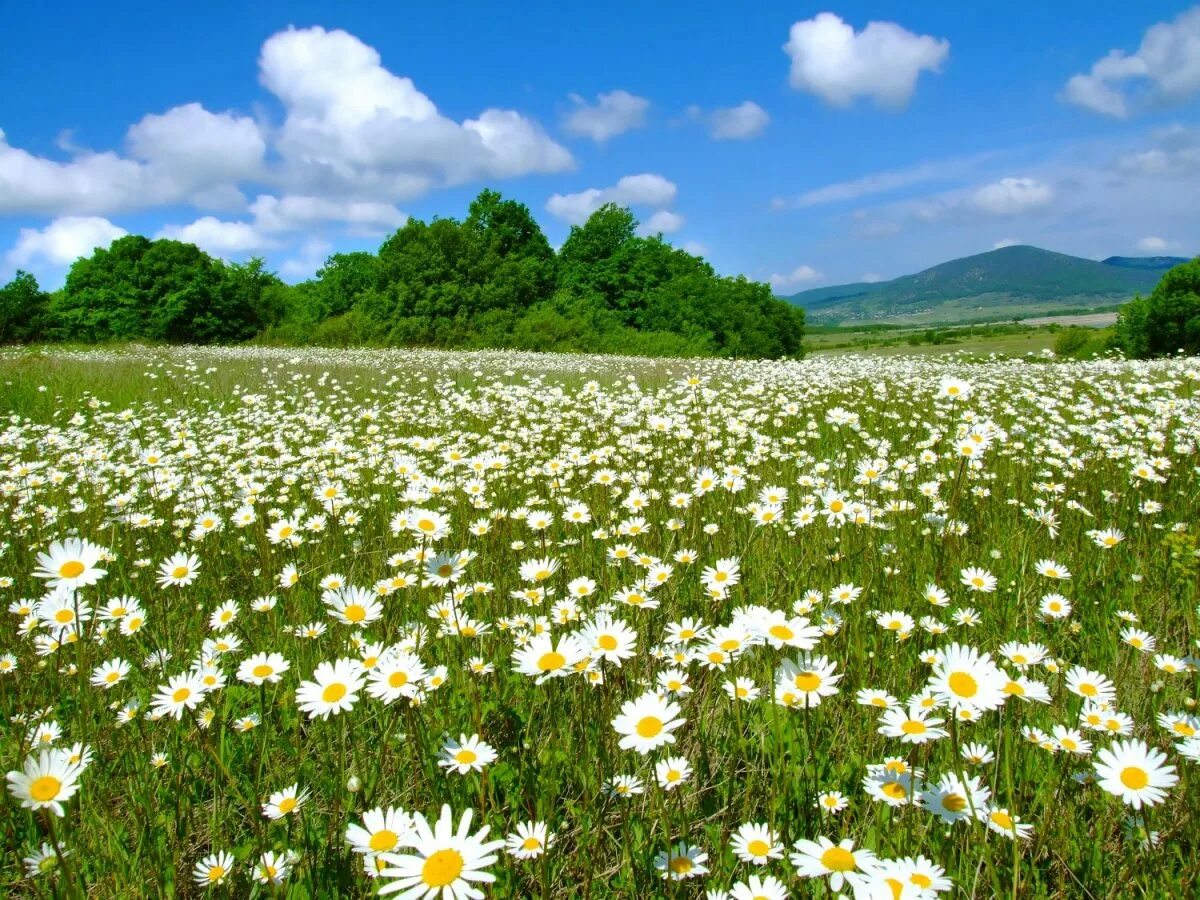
<point x="1012" y="282"/>
<point x="1145" y="262"/>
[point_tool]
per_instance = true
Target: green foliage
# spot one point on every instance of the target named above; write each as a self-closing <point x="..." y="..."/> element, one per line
<point x="490" y="280"/>
<point x="1166" y="322"/>
<point x="22" y="309"/>
<point x="164" y="291"/>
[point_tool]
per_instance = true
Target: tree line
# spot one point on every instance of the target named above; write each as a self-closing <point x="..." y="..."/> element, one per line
<point x="489" y="280"/>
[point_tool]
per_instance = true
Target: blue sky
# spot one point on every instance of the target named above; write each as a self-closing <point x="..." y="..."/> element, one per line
<point x="803" y="144"/>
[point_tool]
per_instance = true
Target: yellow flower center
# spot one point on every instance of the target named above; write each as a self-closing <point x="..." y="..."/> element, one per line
<point x="955" y="802"/>
<point x="442" y="868"/>
<point x="383" y="840"/>
<point x="680" y="865"/>
<point x="181" y="694"/>
<point x="531" y="843"/>
<point x="465" y="757"/>
<point x="649" y="726"/>
<point x="607" y="642"/>
<point x="355" y="612"/>
<point x="333" y="693"/>
<point x="758" y="848"/>
<point x="45" y="789"/>
<point x="262" y="670"/>
<point x="1134" y="778"/>
<point x="551" y="661"/>
<point x="808" y="681"/>
<point x="1003" y="819"/>
<point x="398" y="679"/>
<point x="963" y="685"/>
<point x="894" y="789"/>
<point x="781" y="632"/>
<point x="838" y="860"/>
<point x="179" y="572"/>
<point x="287" y="805"/>
<point x="72" y="568"/>
<point x="913" y="726"/>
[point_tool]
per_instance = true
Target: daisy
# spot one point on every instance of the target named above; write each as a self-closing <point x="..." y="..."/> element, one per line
<point x="816" y="859"/>
<point x="466" y="754"/>
<point x="1003" y="822"/>
<point x="110" y="674"/>
<point x="952" y="800"/>
<point x="755" y="843"/>
<point x="530" y="840"/>
<point x="45" y="781"/>
<point x="672" y="772"/>
<point x="912" y="726"/>
<point x="382" y="830"/>
<point x="263" y="668"/>
<point x="964" y="677"/>
<point x="977" y="579"/>
<point x="213" y="869"/>
<point x="1092" y="686"/>
<point x="755" y="888"/>
<point x="647" y="723"/>
<point x="274" y="868"/>
<point x="609" y="639"/>
<point x="285" y="802"/>
<point x="441" y="860"/>
<point x="333" y="690"/>
<point x="1135" y="773"/>
<point x="179" y="693"/>
<point x="805" y="681"/>
<point x="681" y="862"/>
<point x="71" y="564"/>
<point x="542" y="659"/>
<point x="179" y="570"/>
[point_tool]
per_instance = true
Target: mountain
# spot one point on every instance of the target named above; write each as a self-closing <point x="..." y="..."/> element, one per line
<point x="1012" y="282"/>
<point x="1146" y="262"/>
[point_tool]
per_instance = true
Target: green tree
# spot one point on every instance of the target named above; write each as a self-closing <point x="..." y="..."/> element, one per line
<point x="1167" y="321"/>
<point x="23" y="310"/>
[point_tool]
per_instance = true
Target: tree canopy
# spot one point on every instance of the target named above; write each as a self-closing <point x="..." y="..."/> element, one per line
<point x="489" y="280"/>
<point x="1167" y="321"/>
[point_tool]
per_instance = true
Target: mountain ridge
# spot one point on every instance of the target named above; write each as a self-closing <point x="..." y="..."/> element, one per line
<point x="1015" y="281"/>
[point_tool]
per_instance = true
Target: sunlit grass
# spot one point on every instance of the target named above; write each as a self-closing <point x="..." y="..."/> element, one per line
<point x="914" y="470"/>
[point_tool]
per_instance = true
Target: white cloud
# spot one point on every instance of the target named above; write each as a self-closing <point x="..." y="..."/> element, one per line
<point x="1175" y="155"/>
<point x="194" y="145"/>
<point x="356" y="130"/>
<point x="872" y="278"/>
<point x="1011" y="196"/>
<point x="791" y="280"/>
<point x="737" y="123"/>
<point x="663" y="222"/>
<point x="1152" y="244"/>
<point x="883" y="61"/>
<point x="696" y="248"/>
<point x="63" y="241"/>
<point x="1165" y="69"/>
<point x="294" y="212"/>
<point x="217" y="237"/>
<point x="1005" y="242"/>
<point x="645" y="190"/>
<point x="312" y="256"/>
<point x="613" y="113"/>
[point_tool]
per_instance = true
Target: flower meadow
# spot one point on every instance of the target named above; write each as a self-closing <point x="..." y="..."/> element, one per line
<point x="421" y="624"/>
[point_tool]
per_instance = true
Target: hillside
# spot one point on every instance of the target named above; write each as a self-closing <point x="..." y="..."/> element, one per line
<point x="1012" y="282"/>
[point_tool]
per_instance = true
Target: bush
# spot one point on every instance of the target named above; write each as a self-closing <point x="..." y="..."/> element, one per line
<point x="1166" y="322"/>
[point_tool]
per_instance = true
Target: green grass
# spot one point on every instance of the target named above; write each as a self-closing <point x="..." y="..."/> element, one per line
<point x="95" y="440"/>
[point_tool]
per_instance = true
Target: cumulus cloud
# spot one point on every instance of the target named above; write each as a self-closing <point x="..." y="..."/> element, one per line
<point x="1152" y="244"/>
<point x="645" y="190"/>
<point x="354" y="139"/>
<point x="1011" y="196"/>
<point x="1165" y="69"/>
<point x="872" y="277"/>
<point x="1173" y="155"/>
<point x="294" y="212"/>
<point x="663" y="222"/>
<point x="613" y="113"/>
<point x="355" y="129"/>
<point x="882" y="62"/>
<point x="311" y="257"/>
<point x="798" y="276"/>
<point x="217" y="237"/>
<point x="1005" y="242"/>
<point x="63" y="241"/>
<point x="696" y="248"/>
<point x="734" y="123"/>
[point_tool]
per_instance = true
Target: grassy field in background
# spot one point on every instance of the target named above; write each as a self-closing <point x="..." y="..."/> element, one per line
<point x="887" y="623"/>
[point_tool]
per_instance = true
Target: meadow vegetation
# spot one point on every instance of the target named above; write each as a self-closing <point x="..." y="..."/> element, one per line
<point x="314" y="623"/>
